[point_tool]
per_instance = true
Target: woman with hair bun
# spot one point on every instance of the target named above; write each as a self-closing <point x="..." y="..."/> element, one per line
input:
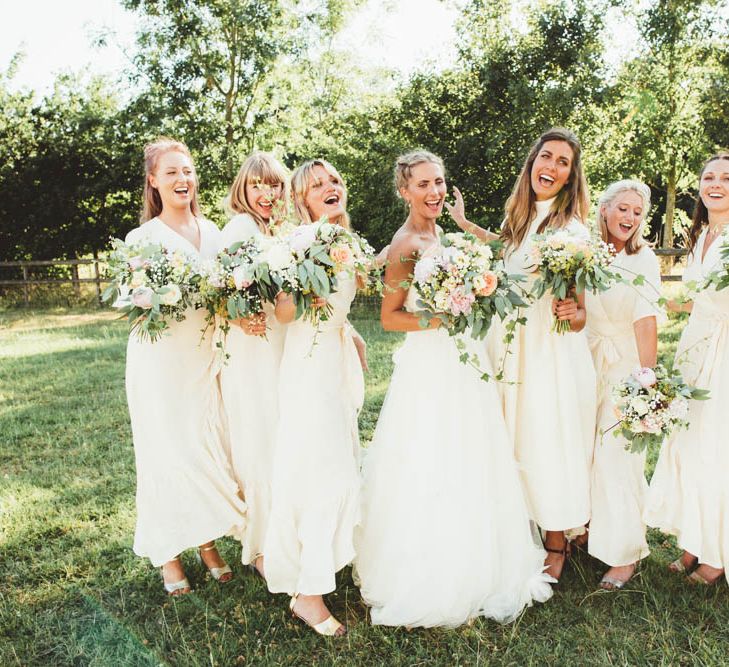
<point x="186" y="495"/>
<point x="622" y="330"/>
<point x="249" y="380"/>
<point x="445" y="533"/>
<point x="689" y="491"/>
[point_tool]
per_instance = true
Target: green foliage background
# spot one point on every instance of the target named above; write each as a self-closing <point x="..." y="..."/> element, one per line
<point x="228" y="76"/>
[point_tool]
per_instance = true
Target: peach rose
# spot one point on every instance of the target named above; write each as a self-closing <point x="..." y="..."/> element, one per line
<point x="490" y="282"/>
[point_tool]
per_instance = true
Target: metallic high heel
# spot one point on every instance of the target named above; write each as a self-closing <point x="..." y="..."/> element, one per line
<point x="329" y="627"/>
<point x="216" y="572"/>
<point x="173" y="588"/>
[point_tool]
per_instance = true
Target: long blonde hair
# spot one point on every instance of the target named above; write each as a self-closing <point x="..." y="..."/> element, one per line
<point x="301" y="181"/>
<point x="572" y="201"/>
<point x="262" y="168"/>
<point x="151" y="201"/>
<point x="636" y="240"/>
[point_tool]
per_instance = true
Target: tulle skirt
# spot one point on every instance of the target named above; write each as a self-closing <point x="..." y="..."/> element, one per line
<point x="445" y="534"/>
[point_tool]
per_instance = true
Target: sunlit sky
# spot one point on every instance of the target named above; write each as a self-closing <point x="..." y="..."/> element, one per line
<point x="57" y="36"/>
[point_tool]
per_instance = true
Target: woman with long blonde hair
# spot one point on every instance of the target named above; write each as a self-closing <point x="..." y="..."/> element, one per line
<point x="249" y="380"/>
<point x="186" y="494"/>
<point x="622" y="330"/>
<point x="315" y="492"/>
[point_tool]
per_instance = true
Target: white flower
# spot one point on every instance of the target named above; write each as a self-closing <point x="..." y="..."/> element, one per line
<point x="678" y="408"/>
<point x="139" y="278"/>
<point x="241" y="277"/>
<point x="302" y="237"/>
<point x="171" y="295"/>
<point x="278" y="256"/>
<point x="424" y="268"/>
<point x="142" y="297"/>
<point x="645" y="377"/>
<point x="640" y="406"/>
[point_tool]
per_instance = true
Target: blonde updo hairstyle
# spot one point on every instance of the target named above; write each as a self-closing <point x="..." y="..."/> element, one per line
<point x="301" y="181"/>
<point x="151" y="200"/>
<point x="636" y="240"/>
<point x="405" y="163"/>
<point x="259" y="167"/>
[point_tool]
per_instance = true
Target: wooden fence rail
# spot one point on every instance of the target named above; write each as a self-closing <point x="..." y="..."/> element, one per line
<point x="98" y="279"/>
<point x="74" y="280"/>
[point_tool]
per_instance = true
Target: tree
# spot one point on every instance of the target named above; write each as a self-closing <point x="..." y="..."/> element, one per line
<point x="208" y="64"/>
<point x="655" y="122"/>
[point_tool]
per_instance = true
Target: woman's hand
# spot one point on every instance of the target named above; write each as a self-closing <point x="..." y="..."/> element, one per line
<point x="572" y="310"/>
<point x="318" y="302"/>
<point x="679" y="306"/>
<point x="564" y="309"/>
<point x="361" y="347"/>
<point x="253" y="326"/>
<point x="458" y="211"/>
<point x="285" y="310"/>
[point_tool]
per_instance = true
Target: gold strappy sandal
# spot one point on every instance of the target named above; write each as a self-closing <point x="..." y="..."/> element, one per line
<point x="329" y="627"/>
<point x="175" y="588"/>
<point x="216" y="572"/>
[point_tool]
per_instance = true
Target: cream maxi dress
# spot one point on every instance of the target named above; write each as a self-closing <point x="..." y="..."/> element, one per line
<point x="445" y="533"/>
<point x="249" y="384"/>
<point x="186" y="493"/>
<point x="618" y="490"/>
<point x="689" y="491"/>
<point x="550" y="406"/>
<point x="315" y="499"/>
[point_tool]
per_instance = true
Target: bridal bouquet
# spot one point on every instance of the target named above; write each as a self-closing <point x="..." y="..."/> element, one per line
<point x="235" y="284"/>
<point x="651" y="403"/>
<point x="151" y="285"/>
<point x="570" y="259"/>
<point x="465" y="287"/>
<point x="307" y="261"/>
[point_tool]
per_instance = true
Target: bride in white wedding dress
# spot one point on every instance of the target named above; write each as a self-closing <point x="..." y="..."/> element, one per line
<point x="445" y="534"/>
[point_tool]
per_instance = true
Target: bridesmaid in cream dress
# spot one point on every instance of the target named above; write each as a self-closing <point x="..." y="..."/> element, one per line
<point x="186" y="494"/>
<point x="315" y="502"/>
<point x="249" y="380"/>
<point x="623" y="335"/>
<point x="445" y="533"/>
<point x="550" y="406"/>
<point x="689" y="491"/>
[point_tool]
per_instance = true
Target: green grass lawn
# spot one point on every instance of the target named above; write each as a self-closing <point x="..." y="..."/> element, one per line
<point x="73" y="593"/>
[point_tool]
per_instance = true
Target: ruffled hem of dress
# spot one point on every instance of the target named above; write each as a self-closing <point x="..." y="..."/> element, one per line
<point x="161" y="557"/>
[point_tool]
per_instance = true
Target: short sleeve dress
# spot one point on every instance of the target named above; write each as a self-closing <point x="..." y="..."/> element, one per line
<point x="618" y="485"/>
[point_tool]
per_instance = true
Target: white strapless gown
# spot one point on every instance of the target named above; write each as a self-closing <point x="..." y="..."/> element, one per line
<point x="445" y="533"/>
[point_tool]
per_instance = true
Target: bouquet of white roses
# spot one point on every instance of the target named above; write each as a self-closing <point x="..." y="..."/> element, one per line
<point x="570" y="259"/>
<point x="151" y="285"/>
<point x="464" y="286"/>
<point x="307" y="261"/>
<point x="651" y="403"/>
<point x="235" y="284"/>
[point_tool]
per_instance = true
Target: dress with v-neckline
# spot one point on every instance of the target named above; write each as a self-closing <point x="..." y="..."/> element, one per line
<point x="184" y="238"/>
<point x="186" y="493"/>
